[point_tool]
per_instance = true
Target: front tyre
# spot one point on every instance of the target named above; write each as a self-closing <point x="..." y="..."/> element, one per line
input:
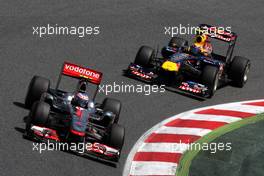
<point x="117" y="136"/>
<point x="38" y="85"/>
<point x="144" y="56"/>
<point x="210" y="78"/>
<point x="178" y="42"/>
<point x="112" y="105"/>
<point x="40" y="113"/>
<point x="239" y="70"/>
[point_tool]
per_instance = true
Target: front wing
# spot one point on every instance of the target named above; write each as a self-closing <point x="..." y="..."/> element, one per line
<point x="94" y="149"/>
<point x="190" y="88"/>
<point x="138" y="72"/>
<point x="185" y="87"/>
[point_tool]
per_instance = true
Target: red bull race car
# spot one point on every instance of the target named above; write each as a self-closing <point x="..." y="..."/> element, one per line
<point x="72" y="118"/>
<point x="192" y="70"/>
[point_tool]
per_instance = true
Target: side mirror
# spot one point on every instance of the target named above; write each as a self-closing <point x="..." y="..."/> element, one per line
<point x="47" y="98"/>
<point x="91" y="106"/>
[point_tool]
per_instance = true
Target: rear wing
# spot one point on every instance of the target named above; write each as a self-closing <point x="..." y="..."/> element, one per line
<point x="214" y="32"/>
<point x="79" y="72"/>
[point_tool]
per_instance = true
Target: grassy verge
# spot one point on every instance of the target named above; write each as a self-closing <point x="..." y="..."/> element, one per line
<point x="186" y="160"/>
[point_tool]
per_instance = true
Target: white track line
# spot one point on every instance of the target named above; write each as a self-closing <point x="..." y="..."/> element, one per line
<point x="215" y="118"/>
<point x="164" y="147"/>
<point x="153" y="168"/>
<point x="183" y="130"/>
<point x="245" y="108"/>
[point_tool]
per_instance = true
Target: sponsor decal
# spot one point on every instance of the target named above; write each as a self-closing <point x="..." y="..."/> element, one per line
<point x="81" y="72"/>
<point x="140" y="74"/>
<point x="195" y="89"/>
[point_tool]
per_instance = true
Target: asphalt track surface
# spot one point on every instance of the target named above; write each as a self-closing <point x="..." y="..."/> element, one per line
<point x="124" y="26"/>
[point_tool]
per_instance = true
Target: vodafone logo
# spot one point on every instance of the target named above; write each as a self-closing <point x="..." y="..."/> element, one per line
<point x="80" y="71"/>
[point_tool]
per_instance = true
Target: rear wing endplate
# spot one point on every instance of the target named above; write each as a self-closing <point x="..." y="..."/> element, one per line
<point x="214" y="32"/>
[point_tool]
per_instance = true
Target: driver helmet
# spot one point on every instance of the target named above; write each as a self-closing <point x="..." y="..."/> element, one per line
<point x="200" y="40"/>
<point x="203" y="45"/>
<point x="82" y="86"/>
<point x="80" y="100"/>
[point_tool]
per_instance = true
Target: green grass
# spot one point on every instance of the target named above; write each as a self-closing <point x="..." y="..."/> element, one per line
<point x="188" y="156"/>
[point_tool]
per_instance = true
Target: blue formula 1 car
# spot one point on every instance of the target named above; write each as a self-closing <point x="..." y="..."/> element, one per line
<point x="190" y="72"/>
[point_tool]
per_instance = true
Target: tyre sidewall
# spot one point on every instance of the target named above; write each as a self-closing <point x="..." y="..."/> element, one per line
<point x="180" y="42"/>
<point x="40" y="113"/>
<point x="117" y="135"/>
<point x="112" y="105"/>
<point x="238" y="69"/>
<point x="37" y="87"/>
<point x="144" y="56"/>
<point x="210" y="78"/>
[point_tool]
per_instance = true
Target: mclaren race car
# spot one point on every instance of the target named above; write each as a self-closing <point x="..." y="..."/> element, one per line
<point x="185" y="69"/>
<point x="73" y="117"/>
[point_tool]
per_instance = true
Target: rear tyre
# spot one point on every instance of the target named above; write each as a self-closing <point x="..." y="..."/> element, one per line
<point x="239" y="70"/>
<point x="179" y="42"/>
<point x="40" y="113"/>
<point x="144" y="56"/>
<point x="117" y="136"/>
<point x="37" y="86"/>
<point x="210" y="78"/>
<point x="112" y="105"/>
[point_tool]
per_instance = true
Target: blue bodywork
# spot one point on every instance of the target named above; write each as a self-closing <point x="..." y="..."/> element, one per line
<point x="179" y="57"/>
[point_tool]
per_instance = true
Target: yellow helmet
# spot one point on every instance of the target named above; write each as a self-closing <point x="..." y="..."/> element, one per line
<point x="200" y="40"/>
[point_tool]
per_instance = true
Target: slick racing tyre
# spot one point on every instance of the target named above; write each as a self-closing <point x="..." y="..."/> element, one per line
<point x="40" y="113"/>
<point x="112" y="105"/>
<point x="239" y="70"/>
<point x="37" y="86"/>
<point x="210" y="78"/>
<point x="117" y="136"/>
<point x="178" y="42"/>
<point x="144" y="56"/>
